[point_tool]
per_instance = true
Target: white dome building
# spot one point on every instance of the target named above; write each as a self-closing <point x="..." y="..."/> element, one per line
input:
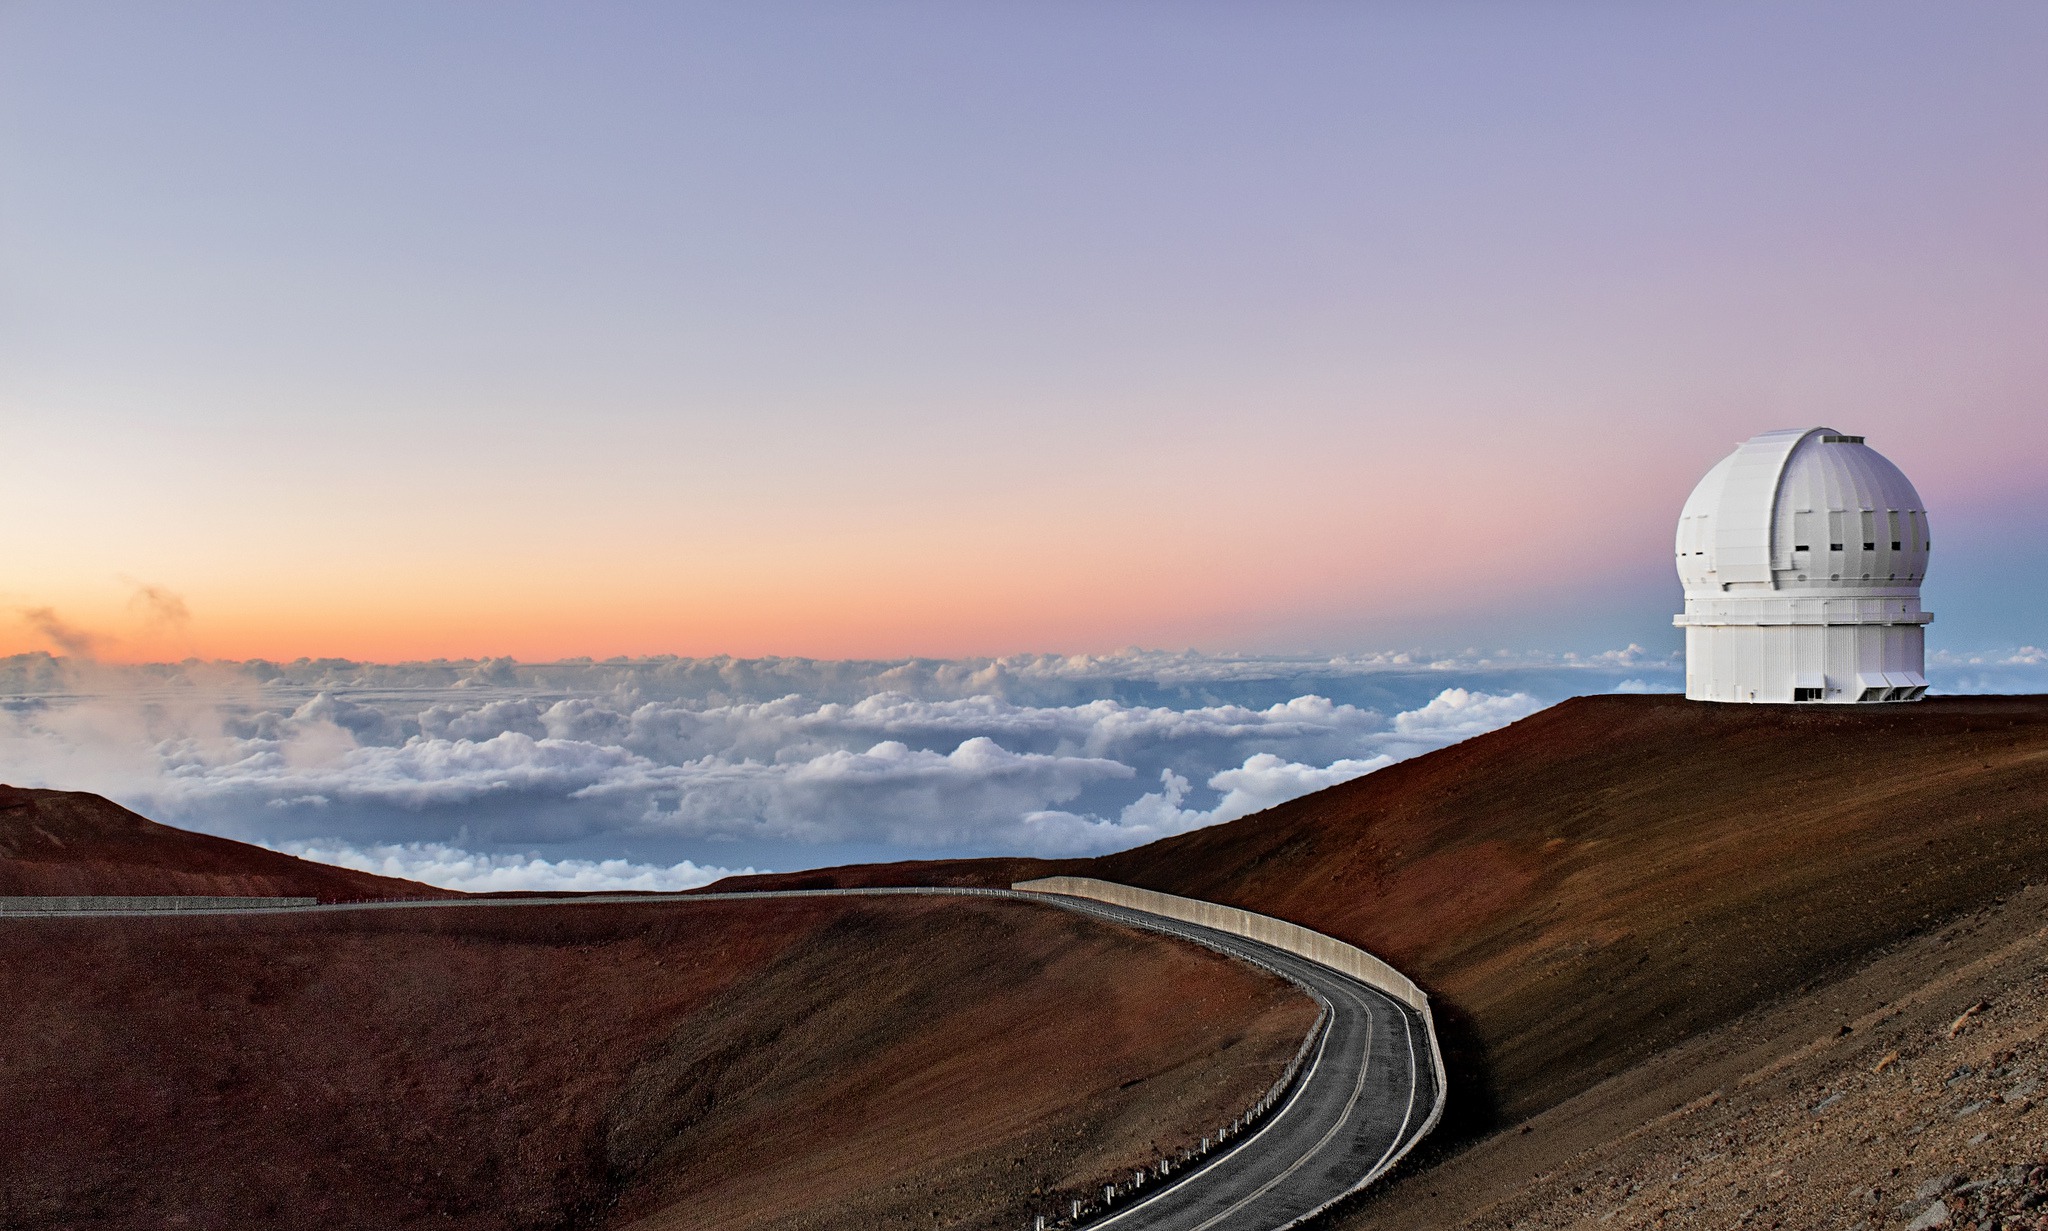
<point x="1802" y="554"/>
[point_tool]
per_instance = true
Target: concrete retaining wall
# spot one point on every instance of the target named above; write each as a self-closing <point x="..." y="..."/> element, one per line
<point x="51" y="906"/>
<point x="1316" y="947"/>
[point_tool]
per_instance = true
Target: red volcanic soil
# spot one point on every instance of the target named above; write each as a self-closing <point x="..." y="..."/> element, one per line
<point x="1612" y="875"/>
<point x="1856" y="1104"/>
<point x="70" y="843"/>
<point x="785" y="1063"/>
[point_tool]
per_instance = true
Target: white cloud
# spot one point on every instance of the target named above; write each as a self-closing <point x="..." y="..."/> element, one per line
<point x="2020" y="670"/>
<point x="2023" y="656"/>
<point x="1183" y="679"/>
<point x="1456" y="713"/>
<point x="451" y="867"/>
<point x="1261" y="782"/>
<point x="1640" y="686"/>
<point x="1265" y="780"/>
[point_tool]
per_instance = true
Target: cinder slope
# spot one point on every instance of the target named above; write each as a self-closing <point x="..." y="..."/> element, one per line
<point x="786" y="1063"/>
<point x="1605" y="878"/>
<point x="1916" y="1079"/>
<point x="1615" y="874"/>
<point x="64" y="843"/>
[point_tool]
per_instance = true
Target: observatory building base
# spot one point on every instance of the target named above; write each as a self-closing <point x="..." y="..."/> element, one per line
<point x="1840" y="664"/>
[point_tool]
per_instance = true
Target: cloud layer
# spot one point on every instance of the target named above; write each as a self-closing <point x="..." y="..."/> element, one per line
<point x="665" y="773"/>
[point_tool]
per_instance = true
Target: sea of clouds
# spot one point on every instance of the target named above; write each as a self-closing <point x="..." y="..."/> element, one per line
<point x="668" y="773"/>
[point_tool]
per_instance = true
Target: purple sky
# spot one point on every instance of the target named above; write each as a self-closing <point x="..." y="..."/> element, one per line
<point x="413" y="329"/>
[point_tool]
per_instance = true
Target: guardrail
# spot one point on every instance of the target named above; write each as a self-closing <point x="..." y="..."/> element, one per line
<point x="1118" y="1193"/>
<point x="73" y="904"/>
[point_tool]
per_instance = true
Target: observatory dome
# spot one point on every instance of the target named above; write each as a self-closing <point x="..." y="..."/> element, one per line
<point x="1801" y="554"/>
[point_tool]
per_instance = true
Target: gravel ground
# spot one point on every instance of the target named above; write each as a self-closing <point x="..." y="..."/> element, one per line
<point x="1924" y="1111"/>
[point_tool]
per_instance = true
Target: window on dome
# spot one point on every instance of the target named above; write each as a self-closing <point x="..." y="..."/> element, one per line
<point x="1870" y="547"/>
<point x="1895" y="544"/>
<point x="1834" y="547"/>
<point x="1799" y="547"/>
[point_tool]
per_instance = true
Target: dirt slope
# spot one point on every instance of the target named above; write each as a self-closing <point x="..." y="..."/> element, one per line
<point x="1599" y="881"/>
<point x="61" y="843"/>
<point x="756" y="1065"/>
<point x="1912" y="1088"/>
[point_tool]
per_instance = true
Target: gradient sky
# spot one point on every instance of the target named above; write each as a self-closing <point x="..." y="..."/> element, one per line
<point x="412" y="330"/>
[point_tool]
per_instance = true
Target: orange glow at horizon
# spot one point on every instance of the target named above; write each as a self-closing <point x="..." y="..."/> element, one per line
<point x="1090" y="605"/>
<point x="1309" y="552"/>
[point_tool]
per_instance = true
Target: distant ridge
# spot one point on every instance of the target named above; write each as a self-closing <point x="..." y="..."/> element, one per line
<point x="65" y="843"/>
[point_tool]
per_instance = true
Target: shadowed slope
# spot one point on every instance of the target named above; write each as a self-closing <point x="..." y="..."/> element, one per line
<point x="747" y="1065"/>
<point x="65" y="843"/>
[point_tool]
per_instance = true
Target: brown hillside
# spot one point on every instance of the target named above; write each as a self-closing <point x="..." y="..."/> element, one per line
<point x="1605" y="878"/>
<point x="1614" y="874"/>
<point x="1918" y="1077"/>
<point x="746" y="1065"/>
<point x="64" y="843"/>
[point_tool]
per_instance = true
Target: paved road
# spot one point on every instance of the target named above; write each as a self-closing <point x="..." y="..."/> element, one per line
<point x="1363" y="1096"/>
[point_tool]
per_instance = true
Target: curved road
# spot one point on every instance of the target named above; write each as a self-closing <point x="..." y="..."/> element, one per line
<point x="1363" y="1097"/>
